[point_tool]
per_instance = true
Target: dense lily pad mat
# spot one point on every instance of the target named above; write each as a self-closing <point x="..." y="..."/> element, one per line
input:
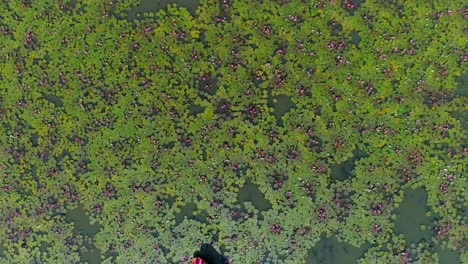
<point x="131" y="121"/>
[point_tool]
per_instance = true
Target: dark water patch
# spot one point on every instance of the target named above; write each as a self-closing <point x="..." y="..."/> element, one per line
<point x="462" y="116"/>
<point x="189" y="211"/>
<point x="34" y="139"/>
<point x="82" y="226"/>
<point x="447" y="255"/>
<point x="34" y="174"/>
<point x="63" y="154"/>
<point x="344" y="170"/>
<point x="201" y="217"/>
<point x="412" y="214"/>
<point x="355" y="38"/>
<point x="137" y="12"/>
<point x="56" y="100"/>
<point x="196" y="109"/>
<point x="462" y="87"/>
<point x="90" y="254"/>
<point x="82" y="222"/>
<point x="281" y="104"/>
<point x="168" y="145"/>
<point x="251" y="193"/>
<point x="352" y="5"/>
<point x="110" y="256"/>
<point x="207" y="86"/>
<point x="2" y="250"/>
<point x="186" y="211"/>
<point x="330" y="251"/>
<point x="43" y="247"/>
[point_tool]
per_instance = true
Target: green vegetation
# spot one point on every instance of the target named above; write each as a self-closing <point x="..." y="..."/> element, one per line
<point x="135" y="138"/>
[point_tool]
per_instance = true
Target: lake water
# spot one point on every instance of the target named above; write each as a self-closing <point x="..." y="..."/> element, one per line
<point x="330" y="251"/>
<point x="412" y="214"/>
<point x="155" y="6"/>
<point x="89" y="253"/>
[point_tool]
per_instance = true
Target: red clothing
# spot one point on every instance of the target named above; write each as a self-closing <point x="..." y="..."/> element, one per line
<point x="198" y="261"/>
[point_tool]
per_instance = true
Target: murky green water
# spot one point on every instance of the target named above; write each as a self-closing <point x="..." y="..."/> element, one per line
<point x="56" y="100"/>
<point x="462" y="87"/>
<point x="462" y="90"/>
<point x="250" y="193"/>
<point x="330" y="251"/>
<point x="89" y="253"/>
<point x="412" y="214"/>
<point x="344" y="170"/>
<point x="281" y="104"/>
<point x="2" y="250"/>
<point x="448" y="256"/>
<point x="156" y="5"/>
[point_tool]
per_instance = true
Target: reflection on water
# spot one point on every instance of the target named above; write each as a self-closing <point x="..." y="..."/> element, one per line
<point x="155" y="5"/>
<point x="330" y="251"/>
<point x="344" y="170"/>
<point x="250" y="193"/>
<point x="412" y="214"/>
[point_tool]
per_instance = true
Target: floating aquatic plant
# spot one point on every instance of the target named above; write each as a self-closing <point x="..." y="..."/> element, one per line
<point x="133" y="118"/>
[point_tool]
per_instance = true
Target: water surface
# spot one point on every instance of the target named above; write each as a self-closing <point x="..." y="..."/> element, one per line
<point x="156" y="5"/>
<point x="344" y="170"/>
<point x="281" y="104"/>
<point x="251" y="193"/>
<point x="330" y="251"/>
<point x="412" y="214"/>
<point x="82" y="225"/>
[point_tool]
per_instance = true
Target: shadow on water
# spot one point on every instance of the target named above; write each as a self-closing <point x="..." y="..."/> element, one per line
<point x="330" y="251"/>
<point x="83" y="226"/>
<point x="155" y="5"/>
<point x="281" y="104"/>
<point x="251" y="193"/>
<point x="209" y="254"/>
<point x="344" y="170"/>
<point x="412" y="214"/>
